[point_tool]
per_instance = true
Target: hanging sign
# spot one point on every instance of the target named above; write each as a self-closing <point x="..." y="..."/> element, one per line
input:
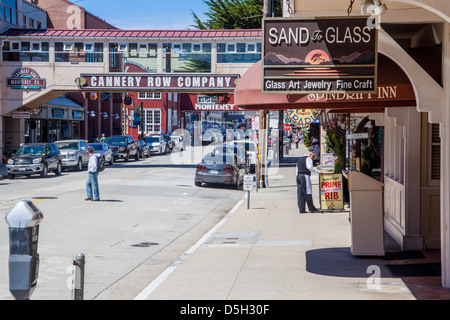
<point x="331" y="191"/>
<point x="303" y="117"/>
<point x="319" y="55"/>
<point x="142" y="81"/>
<point x="25" y="79"/>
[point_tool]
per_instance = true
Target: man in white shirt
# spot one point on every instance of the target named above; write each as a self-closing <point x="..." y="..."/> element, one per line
<point x="92" y="181"/>
<point x="304" y="190"/>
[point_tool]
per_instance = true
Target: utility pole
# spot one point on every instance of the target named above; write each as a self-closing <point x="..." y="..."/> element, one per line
<point x="261" y="165"/>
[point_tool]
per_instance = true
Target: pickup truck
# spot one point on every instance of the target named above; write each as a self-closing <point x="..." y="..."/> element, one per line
<point x="123" y="147"/>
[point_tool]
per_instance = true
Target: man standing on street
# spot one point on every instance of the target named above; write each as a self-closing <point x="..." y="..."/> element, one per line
<point x="304" y="189"/>
<point x="92" y="181"/>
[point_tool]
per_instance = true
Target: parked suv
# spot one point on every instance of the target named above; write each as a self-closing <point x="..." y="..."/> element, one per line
<point x="74" y="153"/>
<point x="156" y="144"/>
<point x="35" y="158"/>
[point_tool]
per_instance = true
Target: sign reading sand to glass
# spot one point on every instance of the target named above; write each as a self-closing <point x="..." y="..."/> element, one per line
<point x="319" y="55"/>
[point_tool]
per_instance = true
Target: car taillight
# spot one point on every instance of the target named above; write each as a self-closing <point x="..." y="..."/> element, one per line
<point x="199" y="167"/>
<point x="228" y="169"/>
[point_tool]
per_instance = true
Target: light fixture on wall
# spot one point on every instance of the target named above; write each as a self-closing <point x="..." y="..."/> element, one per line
<point x="115" y="115"/>
<point x="104" y="115"/>
<point x="91" y="113"/>
<point x="373" y="7"/>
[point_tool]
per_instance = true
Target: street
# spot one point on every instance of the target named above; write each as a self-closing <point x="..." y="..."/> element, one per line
<point x="150" y="212"/>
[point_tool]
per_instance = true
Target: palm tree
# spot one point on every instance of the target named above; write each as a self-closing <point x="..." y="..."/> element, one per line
<point x="234" y="14"/>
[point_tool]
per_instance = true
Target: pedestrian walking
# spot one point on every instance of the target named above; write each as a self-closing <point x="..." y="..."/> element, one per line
<point x="304" y="190"/>
<point x="103" y="138"/>
<point x="92" y="190"/>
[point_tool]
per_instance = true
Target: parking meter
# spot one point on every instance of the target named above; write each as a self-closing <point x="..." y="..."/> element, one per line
<point x="23" y="221"/>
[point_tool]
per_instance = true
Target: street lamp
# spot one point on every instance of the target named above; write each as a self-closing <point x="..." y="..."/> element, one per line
<point x="373" y="7"/>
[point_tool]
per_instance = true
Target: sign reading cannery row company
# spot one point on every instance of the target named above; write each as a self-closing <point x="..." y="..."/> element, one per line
<point x="26" y="79"/>
<point x="319" y="55"/>
<point x="142" y="81"/>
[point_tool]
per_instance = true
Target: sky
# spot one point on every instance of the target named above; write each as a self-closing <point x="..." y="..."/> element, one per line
<point x="146" y="14"/>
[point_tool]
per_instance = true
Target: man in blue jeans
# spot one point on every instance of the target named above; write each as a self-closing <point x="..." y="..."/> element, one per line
<point x="92" y="181"/>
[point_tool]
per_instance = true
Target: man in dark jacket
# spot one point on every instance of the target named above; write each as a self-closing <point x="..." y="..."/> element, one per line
<point x="304" y="190"/>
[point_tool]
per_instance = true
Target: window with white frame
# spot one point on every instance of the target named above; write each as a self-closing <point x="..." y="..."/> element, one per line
<point x="149" y="95"/>
<point x="207" y="99"/>
<point x="152" y="121"/>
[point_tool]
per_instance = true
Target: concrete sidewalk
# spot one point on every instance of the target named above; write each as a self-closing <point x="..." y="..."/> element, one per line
<point x="270" y="251"/>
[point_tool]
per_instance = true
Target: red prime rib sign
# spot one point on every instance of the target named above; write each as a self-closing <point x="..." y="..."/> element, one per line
<point x="25" y="78"/>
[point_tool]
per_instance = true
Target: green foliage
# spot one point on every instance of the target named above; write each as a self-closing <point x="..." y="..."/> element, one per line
<point x="336" y="144"/>
<point x="234" y="14"/>
<point x="306" y="136"/>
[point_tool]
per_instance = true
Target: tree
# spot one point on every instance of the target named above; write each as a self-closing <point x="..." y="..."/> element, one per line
<point x="234" y="14"/>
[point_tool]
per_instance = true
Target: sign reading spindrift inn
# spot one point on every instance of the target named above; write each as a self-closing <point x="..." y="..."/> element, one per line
<point x="143" y="81"/>
<point x="26" y="79"/>
<point x="319" y="55"/>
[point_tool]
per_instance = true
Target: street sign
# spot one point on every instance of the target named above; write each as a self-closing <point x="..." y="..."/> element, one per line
<point x="286" y="127"/>
<point x="354" y="136"/>
<point x="248" y="182"/>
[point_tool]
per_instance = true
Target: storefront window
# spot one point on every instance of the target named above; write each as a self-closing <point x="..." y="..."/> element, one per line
<point x="78" y="52"/>
<point x="238" y="52"/>
<point x="187" y="57"/>
<point x="152" y="121"/>
<point x="25" y="51"/>
<point x="8" y="11"/>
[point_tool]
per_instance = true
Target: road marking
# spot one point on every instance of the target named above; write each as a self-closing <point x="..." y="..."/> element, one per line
<point x="130" y="176"/>
<point x="38" y="200"/>
<point x="165" y="274"/>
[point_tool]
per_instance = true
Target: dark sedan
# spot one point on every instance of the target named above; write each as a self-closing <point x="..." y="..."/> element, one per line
<point x="35" y="158"/>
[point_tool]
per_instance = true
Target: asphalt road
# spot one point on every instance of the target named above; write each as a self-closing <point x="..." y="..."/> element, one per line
<point x="150" y="212"/>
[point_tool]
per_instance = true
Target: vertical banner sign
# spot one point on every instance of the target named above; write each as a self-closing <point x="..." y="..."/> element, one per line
<point x="331" y="192"/>
<point x="319" y="55"/>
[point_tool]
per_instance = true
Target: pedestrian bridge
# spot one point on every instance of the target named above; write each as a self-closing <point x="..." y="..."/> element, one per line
<point x="40" y="65"/>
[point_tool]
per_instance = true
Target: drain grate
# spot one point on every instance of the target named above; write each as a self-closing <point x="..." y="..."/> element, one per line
<point x="145" y="244"/>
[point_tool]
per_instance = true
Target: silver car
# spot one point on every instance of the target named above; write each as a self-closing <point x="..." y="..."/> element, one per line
<point x="74" y="153"/>
<point x="225" y="165"/>
<point x="104" y="150"/>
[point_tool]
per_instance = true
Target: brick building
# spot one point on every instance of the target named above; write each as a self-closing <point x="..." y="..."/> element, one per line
<point x="63" y="14"/>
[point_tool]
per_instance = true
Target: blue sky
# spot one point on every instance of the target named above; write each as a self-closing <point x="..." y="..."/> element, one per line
<point x="146" y="14"/>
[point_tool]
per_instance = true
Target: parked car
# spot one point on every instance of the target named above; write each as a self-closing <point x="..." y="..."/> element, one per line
<point x="35" y="158"/>
<point x="169" y="143"/>
<point x="178" y="144"/>
<point x="224" y="165"/>
<point x="212" y="136"/>
<point x="157" y="144"/>
<point x="104" y="150"/>
<point x="74" y="153"/>
<point x="123" y="147"/>
<point x="144" y="149"/>
<point x="251" y="153"/>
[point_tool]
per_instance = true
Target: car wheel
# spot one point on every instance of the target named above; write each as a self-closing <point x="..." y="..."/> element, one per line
<point x="198" y="184"/>
<point x="79" y="165"/>
<point x="127" y="157"/>
<point x="58" y="169"/>
<point x="11" y="176"/>
<point x="44" y="171"/>
<point x="136" y="156"/>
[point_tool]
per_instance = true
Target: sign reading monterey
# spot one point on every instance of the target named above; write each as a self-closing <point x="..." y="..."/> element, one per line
<point x="26" y="79"/>
<point x="319" y="55"/>
<point x="182" y="82"/>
